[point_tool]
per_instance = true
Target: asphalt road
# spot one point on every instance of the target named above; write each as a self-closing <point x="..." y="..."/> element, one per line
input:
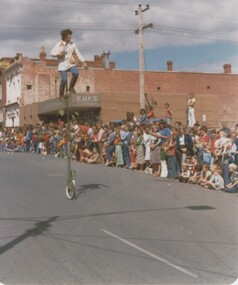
<point x="124" y="227"/>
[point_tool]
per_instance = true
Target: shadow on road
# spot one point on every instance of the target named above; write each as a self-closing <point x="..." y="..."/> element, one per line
<point x="42" y="226"/>
<point x="39" y="229"/>
<point x="89" y="187"/>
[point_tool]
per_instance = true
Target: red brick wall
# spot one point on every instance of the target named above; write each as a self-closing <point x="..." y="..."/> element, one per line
<point x="216" y="94"/>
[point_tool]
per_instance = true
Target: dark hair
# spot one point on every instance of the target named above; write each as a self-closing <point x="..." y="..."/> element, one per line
<point x="166" y="104"/>
<point x="198" y="167"/>
<point x="203" y="128"/>
<point x="65" y="33"/>
<point x="162" y="122"/>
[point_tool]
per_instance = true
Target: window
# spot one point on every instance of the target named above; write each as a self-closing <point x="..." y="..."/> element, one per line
<point x="28" y="87"/>
<point x="87" y="88"/>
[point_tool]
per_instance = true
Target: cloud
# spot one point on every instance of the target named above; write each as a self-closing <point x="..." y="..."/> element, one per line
<point x="100" y="25"/>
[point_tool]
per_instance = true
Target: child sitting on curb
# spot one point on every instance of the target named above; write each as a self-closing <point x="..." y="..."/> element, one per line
<point x="216" y="182"/>
<point x="205" y="174"/>
<point x="184" y="174"/>
<point x="232" y="187"/>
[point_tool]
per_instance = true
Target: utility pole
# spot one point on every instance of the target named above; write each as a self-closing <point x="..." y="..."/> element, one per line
<point x="139" y="31"/>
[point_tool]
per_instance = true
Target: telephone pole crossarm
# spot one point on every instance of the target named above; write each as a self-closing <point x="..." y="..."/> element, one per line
<point x="144" y="27"/>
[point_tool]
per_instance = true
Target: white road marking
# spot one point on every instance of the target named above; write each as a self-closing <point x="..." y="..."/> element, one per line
<point x="150" y="253"/>
<point x="235" y="283"/>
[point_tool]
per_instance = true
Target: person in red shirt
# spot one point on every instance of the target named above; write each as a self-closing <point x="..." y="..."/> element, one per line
<point x="84" y="127"/>
<point x="168" y="114"/>
<point x="151" y="114"/>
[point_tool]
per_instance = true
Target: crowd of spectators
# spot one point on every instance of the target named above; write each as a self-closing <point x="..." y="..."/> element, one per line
<point x="159" y="147"/>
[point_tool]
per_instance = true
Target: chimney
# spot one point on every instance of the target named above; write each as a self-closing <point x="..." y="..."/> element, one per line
<point x="19" y="56"/>
<point x="227" y="68"/>
<point x="170" y="65"/>
<point x="112" y="65"/>
<point x="42" y="54"/>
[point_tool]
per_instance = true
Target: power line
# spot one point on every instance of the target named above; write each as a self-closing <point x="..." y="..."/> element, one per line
<point x="178" y="10"/>
<point x="117" y="27"/>
<point x="68" y="2"/>
<point x="186" y="31"/>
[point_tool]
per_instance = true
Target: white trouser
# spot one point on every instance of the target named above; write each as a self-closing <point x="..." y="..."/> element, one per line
<point x="191" y="116"/>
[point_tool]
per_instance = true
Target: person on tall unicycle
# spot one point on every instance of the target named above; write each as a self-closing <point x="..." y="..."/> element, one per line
<point x="65" y="51"/>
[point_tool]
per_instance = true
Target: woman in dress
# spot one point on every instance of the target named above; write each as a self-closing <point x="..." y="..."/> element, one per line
<point x="140" y="150"/>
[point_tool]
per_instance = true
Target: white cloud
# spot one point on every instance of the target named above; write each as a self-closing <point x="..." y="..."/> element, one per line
<point x="26" y="25"/>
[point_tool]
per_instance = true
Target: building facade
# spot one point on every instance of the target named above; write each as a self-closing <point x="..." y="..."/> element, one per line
<point x="106" y="93"/>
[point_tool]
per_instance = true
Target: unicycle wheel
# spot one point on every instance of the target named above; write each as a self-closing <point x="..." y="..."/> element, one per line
<point x="70" y="190"/>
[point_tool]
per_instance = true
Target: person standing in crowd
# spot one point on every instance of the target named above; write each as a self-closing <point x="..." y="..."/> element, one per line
<point x="164" y="131"/>
<point x="170" y="149"/>
<point x="118" y="149"/>
<point x="155" y="151"/>
<point x="177" y="125"/>
<point x="125" y="139"/>
<point x="147" y="141"/>
<point x="100" y="135"/>
<point x="28" y="139"/>
<point x="201" y="141"/>
<point x="140" y="150"/>
<point x="191" y="110"/>
<point x="225" y="128"/>
<point x="150" y="114"/>
<point x="110" y="145"/>
<point x="168" y="114"/>
<point x="184" y="145"/>
<point x="143" y="119"/>
<point x="64" y="51"/>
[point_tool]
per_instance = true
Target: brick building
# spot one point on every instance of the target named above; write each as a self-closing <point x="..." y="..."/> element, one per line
<point x="107" y="93"/>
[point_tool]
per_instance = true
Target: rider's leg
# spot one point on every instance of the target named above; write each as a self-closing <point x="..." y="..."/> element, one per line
<point x="63" y="82"/>
<point x="75" y="75"/>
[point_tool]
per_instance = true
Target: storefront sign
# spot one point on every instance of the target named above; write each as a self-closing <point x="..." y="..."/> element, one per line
<point x="87" y="99"/>
<point x="12" y="113"/>
<point x="78" y="100"/>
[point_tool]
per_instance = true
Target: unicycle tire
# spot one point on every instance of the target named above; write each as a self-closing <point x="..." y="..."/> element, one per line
<point x="70" y="190"/>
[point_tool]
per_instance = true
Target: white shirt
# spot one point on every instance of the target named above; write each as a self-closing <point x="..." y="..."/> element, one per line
<point x="191" y="102"/>
<point x="182" y="140"/>
<point x="69" y="48"/>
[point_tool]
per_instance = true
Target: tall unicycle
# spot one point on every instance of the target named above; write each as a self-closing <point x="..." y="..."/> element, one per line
<point x="70" y="186"/>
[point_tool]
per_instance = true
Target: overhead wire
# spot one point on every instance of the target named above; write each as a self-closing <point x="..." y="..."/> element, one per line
<point x="113" y="27"/>
<point x="118" y="27"/>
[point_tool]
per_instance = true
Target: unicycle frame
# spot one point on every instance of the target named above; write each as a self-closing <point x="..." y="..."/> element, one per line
<point x="70" y="186"/>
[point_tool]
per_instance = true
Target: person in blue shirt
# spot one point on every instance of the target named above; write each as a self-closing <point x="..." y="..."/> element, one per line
<point x="125" y="138"/>
<point x="164" y="131"/>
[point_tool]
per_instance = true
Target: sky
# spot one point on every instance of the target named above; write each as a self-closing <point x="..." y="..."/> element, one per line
<point x="197" y="35"/>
